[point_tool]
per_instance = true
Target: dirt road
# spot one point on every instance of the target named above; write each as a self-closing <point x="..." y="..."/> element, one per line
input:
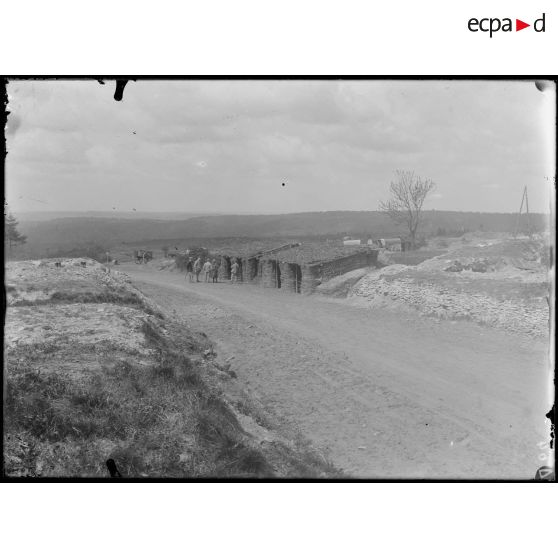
<point x="385" y="395"/>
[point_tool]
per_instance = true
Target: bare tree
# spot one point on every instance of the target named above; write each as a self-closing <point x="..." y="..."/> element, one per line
<point x="407" y="195"/>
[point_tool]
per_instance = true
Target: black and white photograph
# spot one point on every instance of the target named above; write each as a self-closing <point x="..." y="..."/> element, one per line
<point x="282" y="278"/>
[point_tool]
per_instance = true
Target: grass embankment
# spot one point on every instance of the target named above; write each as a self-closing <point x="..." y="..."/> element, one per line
<point x="75" y="399"/>
<point x="158" y="421"/>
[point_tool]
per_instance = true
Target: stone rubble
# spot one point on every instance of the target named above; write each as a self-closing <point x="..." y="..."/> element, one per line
<point x="485" y="292"/>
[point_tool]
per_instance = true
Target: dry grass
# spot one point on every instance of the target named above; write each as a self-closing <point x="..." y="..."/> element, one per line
<point x="106" y="296"/>
<point x="158" y="412"/>
<point x="156" y="421"/>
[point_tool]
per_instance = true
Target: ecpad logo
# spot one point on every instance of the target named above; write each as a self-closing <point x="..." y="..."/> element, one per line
<point x="493" y="25"/>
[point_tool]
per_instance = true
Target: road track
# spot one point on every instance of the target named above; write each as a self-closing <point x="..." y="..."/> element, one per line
<point x="385" y="395"/>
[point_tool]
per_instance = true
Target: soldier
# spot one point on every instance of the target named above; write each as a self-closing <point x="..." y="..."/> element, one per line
<point x="190" y="270"/>
<point x="197" y="269"/>
<point x="215" y="267"/>
<point x="207" y="270"/>
<point x="234" y="271"/>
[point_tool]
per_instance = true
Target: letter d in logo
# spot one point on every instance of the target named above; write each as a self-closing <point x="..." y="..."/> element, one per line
<point x="539" y="24"/>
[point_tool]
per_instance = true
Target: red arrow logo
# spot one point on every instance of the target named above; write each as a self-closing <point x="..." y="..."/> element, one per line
<point x="519" y="25"/>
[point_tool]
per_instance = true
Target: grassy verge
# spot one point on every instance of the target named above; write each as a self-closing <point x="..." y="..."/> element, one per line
<point x="107" y="296"/>
<point x="157" y="421"/>
<point x="68" y="410"/>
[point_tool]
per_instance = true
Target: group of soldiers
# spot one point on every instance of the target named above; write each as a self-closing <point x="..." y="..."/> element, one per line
<point x="210" y="270"/>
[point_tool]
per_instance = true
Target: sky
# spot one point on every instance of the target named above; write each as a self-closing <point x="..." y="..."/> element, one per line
<point x="276" y="146"/>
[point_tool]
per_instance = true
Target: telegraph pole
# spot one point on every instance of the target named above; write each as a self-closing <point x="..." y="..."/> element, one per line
<point x="524" y="200"/>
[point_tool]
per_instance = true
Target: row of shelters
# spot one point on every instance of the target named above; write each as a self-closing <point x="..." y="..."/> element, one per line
<point x="296" y="267"/>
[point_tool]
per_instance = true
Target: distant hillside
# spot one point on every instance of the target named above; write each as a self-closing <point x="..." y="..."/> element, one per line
<point x="50" y="215"/>
<point x="72" y="232"/>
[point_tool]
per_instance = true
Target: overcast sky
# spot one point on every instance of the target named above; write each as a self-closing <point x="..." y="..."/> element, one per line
<point x="229" y="146"/>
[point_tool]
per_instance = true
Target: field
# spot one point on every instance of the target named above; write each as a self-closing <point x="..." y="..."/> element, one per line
<point x="96" y="371"/>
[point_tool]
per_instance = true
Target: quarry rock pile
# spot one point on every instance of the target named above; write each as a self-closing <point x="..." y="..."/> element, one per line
<point x="478" y="265"/>
<point x="503" y="284"/>
<point x="432" y="300"/>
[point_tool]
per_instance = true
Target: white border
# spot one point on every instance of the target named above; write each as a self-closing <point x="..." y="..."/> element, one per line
<point x="276" y="520"/>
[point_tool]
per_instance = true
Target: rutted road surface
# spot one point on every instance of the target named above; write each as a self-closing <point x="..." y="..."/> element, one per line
<point x="384" y="395"/>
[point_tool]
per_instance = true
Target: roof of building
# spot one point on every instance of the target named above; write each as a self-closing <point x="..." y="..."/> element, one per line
<point x="316" y="252"/>
<point x="307" y="252"/>
<point x="245" y="248"/>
